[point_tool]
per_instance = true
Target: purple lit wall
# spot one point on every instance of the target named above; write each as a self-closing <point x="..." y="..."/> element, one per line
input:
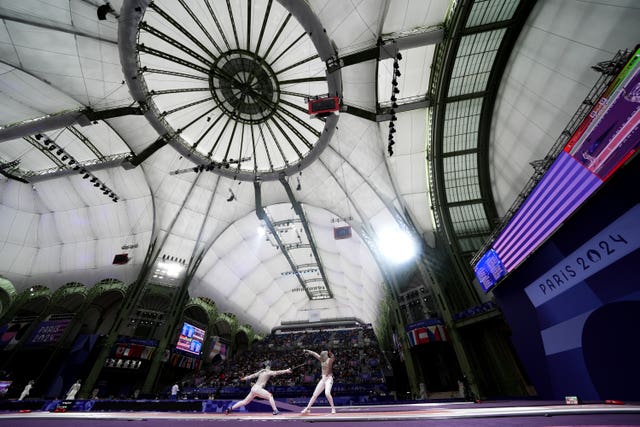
<point x="564" y="187"/>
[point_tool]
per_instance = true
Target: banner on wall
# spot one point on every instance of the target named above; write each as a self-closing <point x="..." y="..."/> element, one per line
<point x="48" y="332"/>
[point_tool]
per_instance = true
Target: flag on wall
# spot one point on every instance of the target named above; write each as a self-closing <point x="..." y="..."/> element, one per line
<point x="397" y="345"/>
<point x="426" y="332"/>
<point x="217" y="348"/>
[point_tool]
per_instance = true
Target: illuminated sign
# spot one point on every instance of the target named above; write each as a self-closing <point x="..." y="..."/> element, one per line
<point x="489" y="269"/>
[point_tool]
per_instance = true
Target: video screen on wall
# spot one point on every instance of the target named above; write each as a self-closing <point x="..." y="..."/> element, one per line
<point x="190" y="339"/>
<point x="607" y="137"/>
<point x="4" y="387"/>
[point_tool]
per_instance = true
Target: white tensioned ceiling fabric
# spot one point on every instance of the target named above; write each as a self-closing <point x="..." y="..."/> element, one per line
<point x="356" y="25"/>
<point x="548" y="76"/>
<point x="61" y="230"/>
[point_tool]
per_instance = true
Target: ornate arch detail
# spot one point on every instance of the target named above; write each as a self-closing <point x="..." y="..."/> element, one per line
<point x="230" y="320"/>
<point x="8" y="295"/>
<point x="205" y="304"/>
<point x="107" y="285"/>
<point x="32" y="295"/>
<point x="68" y="290"/>
<point x="35" y="291"/>
<point x="248" y="330"/>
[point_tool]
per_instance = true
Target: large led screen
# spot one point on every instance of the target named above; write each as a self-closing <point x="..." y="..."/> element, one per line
<point x="190" y="339"/>
<point x="605" y="139"/>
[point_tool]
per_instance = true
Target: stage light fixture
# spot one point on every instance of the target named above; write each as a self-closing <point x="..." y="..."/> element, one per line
<point x="65" y="157"/>
<point x="397" y="73"/>
<point x="398" y="56"/>
<point x="60" y="151"/>
<point x="97" y="184"/>
<point x="85" y="176"/>
<point x="51" y="147"/>
<point x="396" y="90"/>
<point x="396" y="65"/>
<point x="393" y="98"/>
<point x="394" y="105"/>
<point x="393" y="118"/>
<point x="394" y="82"/>
<point x="38" y="136"/>
<point x="93" y="179"/>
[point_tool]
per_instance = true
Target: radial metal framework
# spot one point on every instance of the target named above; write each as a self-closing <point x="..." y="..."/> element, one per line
<point x="228" y="93"/>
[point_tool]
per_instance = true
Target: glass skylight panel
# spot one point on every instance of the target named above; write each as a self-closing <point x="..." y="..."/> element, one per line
<point x="468" y="219"/>
<point x="490" y="11"/>
<point x="461" y="123"/>
<point x="476" y="55"/>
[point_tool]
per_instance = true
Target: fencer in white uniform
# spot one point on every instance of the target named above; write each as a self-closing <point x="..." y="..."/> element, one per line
<point x="257" y="390"/>
<point x="326" y="359"/>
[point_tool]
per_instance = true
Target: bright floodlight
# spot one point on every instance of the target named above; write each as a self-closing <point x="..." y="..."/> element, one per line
<point x="171" y="269"/>
<point x="396" y="245"/>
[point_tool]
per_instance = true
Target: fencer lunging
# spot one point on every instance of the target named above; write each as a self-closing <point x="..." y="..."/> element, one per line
<point x="258" y="390"/>
<point x="326" y="359"/>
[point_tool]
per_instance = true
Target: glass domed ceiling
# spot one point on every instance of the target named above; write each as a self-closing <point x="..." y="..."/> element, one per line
<point x="227" y="82"/>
